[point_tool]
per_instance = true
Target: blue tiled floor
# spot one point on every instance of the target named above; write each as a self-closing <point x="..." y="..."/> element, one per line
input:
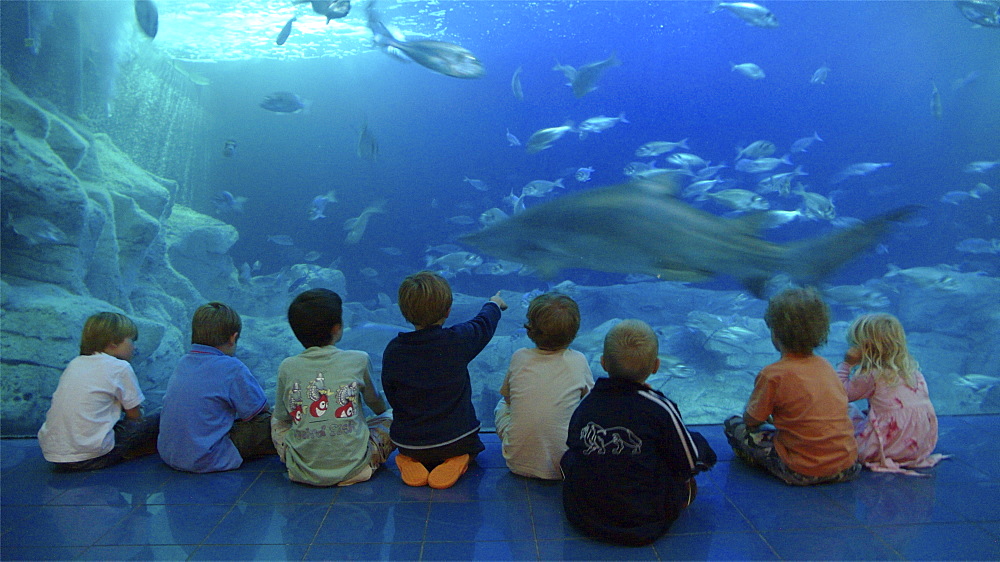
<point x="143" y="510"/>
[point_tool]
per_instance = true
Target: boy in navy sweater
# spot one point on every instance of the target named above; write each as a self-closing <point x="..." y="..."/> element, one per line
<point x="425" y="376"/>
<point x="630" y="467"/>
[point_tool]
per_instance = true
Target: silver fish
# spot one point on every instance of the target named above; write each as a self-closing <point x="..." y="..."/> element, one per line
<point x="367" y="148"/>
<point x="979" y="246"/>
<point x="859" y="169"/>
<point x="980" y="167"/>
<point x="445" y="58"/>
<point x="285" y="32"/>
<point x="515" y="85"/>
<point x="640" y="228"/>
<point x="805" y="142"/>
<point x="657" y="148"/>
<point x="491" y="216"/>
<point x="819" y="76"/>
<point x="281" y="239"/>
<point x="356" y="226"/>
<point x="540" y="188"/>
<point x="753" y="14"/>
<point x="756" y="149"/>
<point x="583" y="80"/>
<point x="543" y="138"/>
<point x="479" y="185"/>
<point x="749" y="69"/>
<point x="514" y="141"/>
<point x="599" y="124"/>
<point x="985" y="13"/>
<point x="318" y="205"/>
<point x="36" y="230"/>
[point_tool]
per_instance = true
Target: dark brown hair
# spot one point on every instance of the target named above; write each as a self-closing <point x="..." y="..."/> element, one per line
<point x="313" y="314"/>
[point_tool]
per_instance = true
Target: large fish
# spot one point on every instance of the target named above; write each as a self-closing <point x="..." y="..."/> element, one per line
<point x="147" y="16"/>
<point x="445" y="58"/>
<point x="641" y="228"/>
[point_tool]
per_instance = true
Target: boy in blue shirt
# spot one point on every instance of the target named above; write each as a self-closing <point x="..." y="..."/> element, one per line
<point x="425" y="376"/>
<point x="214" y="411"/>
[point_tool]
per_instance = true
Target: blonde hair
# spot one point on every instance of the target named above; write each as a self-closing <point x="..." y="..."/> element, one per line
<point x="882" y="342"/>
<point x="214" y="323"/>
<point x="553" y="321"/>
<point x="630" y="350"/>
<point x="799" y="319"/>
<point x="424" y="298"/>
<point x="104" y="329"/>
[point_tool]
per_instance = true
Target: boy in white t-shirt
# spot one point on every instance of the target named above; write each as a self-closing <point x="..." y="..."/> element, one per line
<point x="83" y="428"/>
<point x="542" y="389"/>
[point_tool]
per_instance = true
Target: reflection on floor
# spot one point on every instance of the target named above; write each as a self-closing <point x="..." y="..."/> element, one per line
<point x="143" y="510"/>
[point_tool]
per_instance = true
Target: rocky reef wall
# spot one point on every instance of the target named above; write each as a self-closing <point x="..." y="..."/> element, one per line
<point x="86" y="230"/>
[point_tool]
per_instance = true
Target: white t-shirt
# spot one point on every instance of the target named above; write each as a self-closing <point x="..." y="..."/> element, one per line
<point x="92" y="392"/>
<point x="543" y="389"/>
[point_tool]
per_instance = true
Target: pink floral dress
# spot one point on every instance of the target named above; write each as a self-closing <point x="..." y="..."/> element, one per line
<point x="901" y="429"/>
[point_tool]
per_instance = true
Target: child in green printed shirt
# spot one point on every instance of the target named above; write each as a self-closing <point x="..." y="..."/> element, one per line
<point x="318" y="425"/>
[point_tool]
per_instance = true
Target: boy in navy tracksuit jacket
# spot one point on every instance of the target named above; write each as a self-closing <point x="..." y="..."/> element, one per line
<point x="630" y="467"/>
<point x="425" y="376"/>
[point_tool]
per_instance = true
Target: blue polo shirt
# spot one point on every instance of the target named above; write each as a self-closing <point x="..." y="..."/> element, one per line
<point x="208" y="391"/>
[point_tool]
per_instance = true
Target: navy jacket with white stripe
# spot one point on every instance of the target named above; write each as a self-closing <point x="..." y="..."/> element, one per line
<point x="629" y="459"/>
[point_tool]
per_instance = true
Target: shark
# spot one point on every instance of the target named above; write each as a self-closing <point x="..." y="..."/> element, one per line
<point x="641" y="227"/>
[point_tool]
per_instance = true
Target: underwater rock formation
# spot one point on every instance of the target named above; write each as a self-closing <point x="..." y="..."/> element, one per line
<point x="87" y="230"/>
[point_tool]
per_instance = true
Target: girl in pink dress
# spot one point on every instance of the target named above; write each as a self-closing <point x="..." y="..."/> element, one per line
<point x="901" y="429"/>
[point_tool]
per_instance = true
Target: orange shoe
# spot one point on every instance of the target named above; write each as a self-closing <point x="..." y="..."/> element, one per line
<point x="447" y="473"/>
<point x="413" y="472"/>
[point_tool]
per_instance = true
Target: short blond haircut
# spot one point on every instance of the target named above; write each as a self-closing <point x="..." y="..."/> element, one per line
<point x="882" y="342"/>
<point x="104" y="329"/>
<point x="630" y="351"/>
<point x="424" y="298"/>
<point x="214" y="323"/>
<point x="799" y="319"/>
<point x="553" y="321"/>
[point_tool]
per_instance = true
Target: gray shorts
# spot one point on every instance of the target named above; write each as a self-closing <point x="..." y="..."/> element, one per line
<point x="756" y="448"/>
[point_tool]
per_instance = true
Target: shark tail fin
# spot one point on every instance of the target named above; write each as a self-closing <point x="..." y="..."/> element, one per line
<point x="809" y="261"/>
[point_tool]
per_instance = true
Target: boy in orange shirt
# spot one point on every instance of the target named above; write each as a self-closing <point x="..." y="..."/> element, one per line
<point x="813" y="440"/>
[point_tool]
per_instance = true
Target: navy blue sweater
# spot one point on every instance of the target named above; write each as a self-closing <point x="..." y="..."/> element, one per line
<point x="628" y="463"/>
<point x="425" y="376"/>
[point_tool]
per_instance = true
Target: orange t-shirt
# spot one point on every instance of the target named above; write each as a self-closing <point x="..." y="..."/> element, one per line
<point x="808" y="403"/>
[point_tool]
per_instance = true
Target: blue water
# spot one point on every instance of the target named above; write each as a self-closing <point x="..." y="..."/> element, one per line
<point x="674" y="82"/>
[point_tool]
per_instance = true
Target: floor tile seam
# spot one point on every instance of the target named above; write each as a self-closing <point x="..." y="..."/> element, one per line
<point x="114" y="525"/>
<point x="886" y="544"/>
<point x="742" y="514"/>
<point x="322" y="521"/>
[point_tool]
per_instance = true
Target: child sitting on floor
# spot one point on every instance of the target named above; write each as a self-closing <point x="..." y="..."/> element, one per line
<point x="901" y="428"/>
<point x="631" y="461"/>
<point x="215" y="413"/>
<point x="84" y="428"/>
<point x="318" y="425"/>
<point x="425" y="375"/>
<point x="813" y="441"/>
<point x="542" y="388"/>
